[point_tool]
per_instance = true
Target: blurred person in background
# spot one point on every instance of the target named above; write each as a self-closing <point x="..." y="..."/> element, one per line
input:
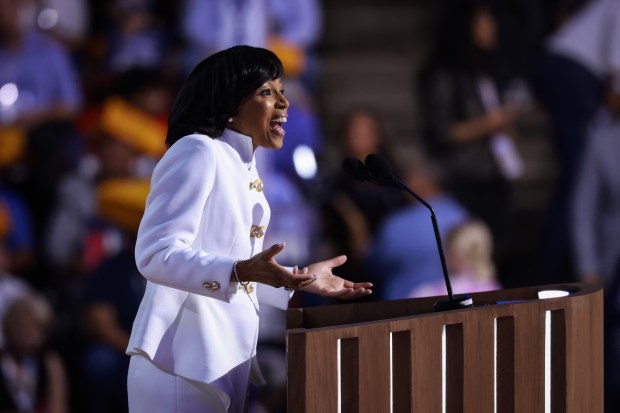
<point x="290" y="28"/>
<point x="136" y="33"/>
<point x="362" y="133"/>
<point x="127" y="140"/>
<point x="595" y="225"/>
<point x="38" y="81"/>
<point x="466" y="125"/>
<point x="67" y="21"/>
<point x="596" y="200"/>
<point x="352" y="211"/>
<point x="11" y="287"/>
<point x="32" y="377"/>
<point x="16" y="230"/>
<point x="469" y="258"/>
<point x="580" y="54"/>
<point x="112" y="297"/>
<point x="403" y="255"/>
<point x="296" y="28"/>
<point x="40" y="97"/>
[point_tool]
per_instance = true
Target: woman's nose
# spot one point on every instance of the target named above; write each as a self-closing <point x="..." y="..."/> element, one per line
<point x="282" y="102"/>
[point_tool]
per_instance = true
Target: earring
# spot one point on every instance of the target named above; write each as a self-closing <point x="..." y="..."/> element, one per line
<point x="230" y="119"/>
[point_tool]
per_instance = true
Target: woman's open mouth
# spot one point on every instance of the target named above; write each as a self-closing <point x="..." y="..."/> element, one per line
<point x="276" y="125"/>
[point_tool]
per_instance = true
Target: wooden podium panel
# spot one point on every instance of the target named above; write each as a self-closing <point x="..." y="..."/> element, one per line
<point x="400" y="356"/>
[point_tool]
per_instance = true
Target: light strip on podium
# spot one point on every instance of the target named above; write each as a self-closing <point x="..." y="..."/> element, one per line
<point x="339" y="367"/>
<point x="391" y="375"/>
<point x="443" y="369"/>
<point x="495" y="365"/>
<point x="547" y="361"/>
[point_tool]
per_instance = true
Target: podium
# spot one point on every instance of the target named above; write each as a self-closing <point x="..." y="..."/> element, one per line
<point x="511" y="352"/>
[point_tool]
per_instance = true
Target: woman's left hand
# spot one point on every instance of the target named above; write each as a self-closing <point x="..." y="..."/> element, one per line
<point x="328" y="284"/>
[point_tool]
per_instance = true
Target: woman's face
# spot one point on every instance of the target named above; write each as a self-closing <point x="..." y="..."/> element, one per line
<point x="362" y="135"/>
<point x="25" y="330"/>
<point x="484" y="30"/>
<point x="262" y="114"/>
<point x="117" y="158"/>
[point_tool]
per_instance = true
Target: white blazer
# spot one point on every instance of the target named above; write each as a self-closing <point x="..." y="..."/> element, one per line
<point x="204" y="201"/>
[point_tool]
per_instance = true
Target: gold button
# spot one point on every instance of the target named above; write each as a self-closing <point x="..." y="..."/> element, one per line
<point x="257" y="231"/>
<point x="211" y="285"/>
<point x="258" y="185"/>
<point x="249" y="288"/>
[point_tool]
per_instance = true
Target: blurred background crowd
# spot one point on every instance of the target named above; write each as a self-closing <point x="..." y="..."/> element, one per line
<point x="503" y="114"/>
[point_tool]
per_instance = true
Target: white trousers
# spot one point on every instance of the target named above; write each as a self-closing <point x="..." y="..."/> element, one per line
<point x="153" y="390"/>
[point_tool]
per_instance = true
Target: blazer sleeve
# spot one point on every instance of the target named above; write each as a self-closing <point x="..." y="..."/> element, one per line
<point x="180" y="186"/>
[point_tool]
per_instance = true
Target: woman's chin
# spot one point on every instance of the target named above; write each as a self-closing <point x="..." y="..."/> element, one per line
<point x="278" y="143"/>
<point x="276" y="140"/>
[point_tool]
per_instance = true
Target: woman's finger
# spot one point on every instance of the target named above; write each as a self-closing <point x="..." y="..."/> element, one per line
<point x="344" y="293"/>
<point x="303" y="278"/>
<point x="272" y="251"/>
<point x="336" y="261"/>
<point x="306" y="283"/>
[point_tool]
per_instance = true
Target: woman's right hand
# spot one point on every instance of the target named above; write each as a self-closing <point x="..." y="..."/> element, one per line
<point x="496" y="120"/>
<point x="501" y="117"/>
<point x="264" y="269"/>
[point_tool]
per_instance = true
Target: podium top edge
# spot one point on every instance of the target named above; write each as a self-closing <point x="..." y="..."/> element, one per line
<point x="299" y="319"/>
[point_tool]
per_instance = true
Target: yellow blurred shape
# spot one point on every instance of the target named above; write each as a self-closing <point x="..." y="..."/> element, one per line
<point x="121" y="201"/>
<point x="292" y="56"/>
<point x="12" y="144"/>
<point x="133" y="127"/>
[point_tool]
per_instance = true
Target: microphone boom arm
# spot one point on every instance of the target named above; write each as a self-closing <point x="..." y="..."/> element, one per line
<point x="437" y="235"/>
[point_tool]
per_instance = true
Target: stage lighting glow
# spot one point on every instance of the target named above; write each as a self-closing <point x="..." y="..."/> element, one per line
<point x="305" y="162"/>
<point x="48" y="19"/>
<point x="552" y="294"/>
<point x="8" y="94"/>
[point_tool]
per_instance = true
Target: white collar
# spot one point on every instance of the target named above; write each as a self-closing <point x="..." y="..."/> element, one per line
<point x="240" y="143"/>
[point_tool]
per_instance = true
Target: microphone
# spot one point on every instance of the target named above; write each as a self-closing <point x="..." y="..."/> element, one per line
<point x="380" y="169"/>
<point x="356" y="169"/>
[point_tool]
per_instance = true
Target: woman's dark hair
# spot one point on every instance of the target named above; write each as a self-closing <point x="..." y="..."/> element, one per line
<point x="454" y="46"/>
<point x="215" y="88"/>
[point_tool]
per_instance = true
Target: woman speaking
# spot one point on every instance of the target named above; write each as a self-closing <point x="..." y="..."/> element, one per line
<point x="200" y="242"/>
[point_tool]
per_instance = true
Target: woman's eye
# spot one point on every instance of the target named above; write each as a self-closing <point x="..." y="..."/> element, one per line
<point x="265" y="92"/>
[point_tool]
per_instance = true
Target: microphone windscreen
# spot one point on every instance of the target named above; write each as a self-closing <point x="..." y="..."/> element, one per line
<point x="355" y="169"/>
<point x="379" y="166"/>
